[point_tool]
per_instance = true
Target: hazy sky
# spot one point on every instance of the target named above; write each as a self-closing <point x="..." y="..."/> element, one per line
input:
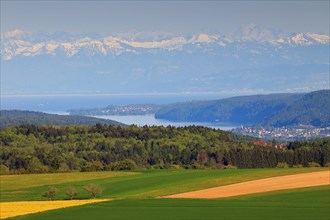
<point x="106" y="17"/>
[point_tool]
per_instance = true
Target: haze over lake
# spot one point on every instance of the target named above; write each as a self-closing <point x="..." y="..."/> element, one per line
<point x="61" y="103"/>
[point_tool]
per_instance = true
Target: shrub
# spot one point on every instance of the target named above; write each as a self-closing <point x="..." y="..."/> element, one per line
<point x="71" y="192"/>
<point x="197" y="166"/>
<point x="230" y="167"/>
<point x="282" y="165"/>
<point x="63" y="168"/>
<point x="327" y="164"/>
<point x="126" y="164"/>
<point x="50" y="193"/>
<point x="313" y="164"/>
<point x="4" y="169"/>
<point x="93" y="190"/>
<point x="173" y="167"/>
<point x="157" y="167"/>
<point x="298" y="166"/>
<point x="35" y="166"/>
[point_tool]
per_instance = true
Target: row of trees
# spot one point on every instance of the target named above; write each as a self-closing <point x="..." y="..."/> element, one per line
<point x="71" y="192"/>
<point x="38" y="149"/>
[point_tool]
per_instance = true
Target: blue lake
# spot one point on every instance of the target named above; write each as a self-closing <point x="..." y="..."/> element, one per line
<point x="150" y="120"/>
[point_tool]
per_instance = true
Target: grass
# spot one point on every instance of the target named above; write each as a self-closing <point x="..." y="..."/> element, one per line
<point x="135" y="196"/>
<point x="12" y="182"/>
<point x="309" y="203"/>
<point x="146" y="184"/>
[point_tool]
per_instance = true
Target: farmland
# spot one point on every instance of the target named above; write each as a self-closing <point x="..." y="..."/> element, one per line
<point x="10" y="209"/>
<point x="137" y="194"/>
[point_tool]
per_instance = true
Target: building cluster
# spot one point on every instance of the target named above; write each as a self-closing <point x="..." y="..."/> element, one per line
<point x="129" y="109"/>
<point x="285" y="133"/>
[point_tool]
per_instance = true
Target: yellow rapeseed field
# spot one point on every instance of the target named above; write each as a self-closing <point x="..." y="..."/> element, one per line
<point x="11" y="209"/>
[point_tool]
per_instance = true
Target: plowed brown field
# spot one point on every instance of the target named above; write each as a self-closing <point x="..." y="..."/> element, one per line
<point x="258" y="186"/>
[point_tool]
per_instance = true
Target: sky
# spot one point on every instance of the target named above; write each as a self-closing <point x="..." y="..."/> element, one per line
<point x="107" y="17"/>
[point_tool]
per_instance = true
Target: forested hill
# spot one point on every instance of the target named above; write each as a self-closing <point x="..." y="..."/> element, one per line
<point x="241" y="110"/>
<point x="274" y="110"/>
<point x="10" y="118"/>
<point x="312" y="109"/>
<point x="37" y="149"/>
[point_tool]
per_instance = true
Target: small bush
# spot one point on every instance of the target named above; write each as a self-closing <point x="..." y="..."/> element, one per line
<point x="174" y="167"/>
<point x="4" y="170"/>
<point x="50" y="193"/>
<point x="327" y="165"/>
<point x="298" y="166"/>
<point x="63" y="168"/>
<point x="230" y="167"/>
<point x="282" y="165"/>
<point x="197" y="166"/>
<point x="313" y="164"/>
<point x="126" y="164"/>
<point x="157" y="167"/>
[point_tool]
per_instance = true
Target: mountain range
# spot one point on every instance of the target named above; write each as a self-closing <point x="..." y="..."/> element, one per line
<point x="254" y="61"/>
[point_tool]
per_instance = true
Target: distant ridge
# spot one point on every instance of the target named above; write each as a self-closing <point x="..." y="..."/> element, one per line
<point x="312" y="109"/>
<point x="269" y="110"/>
<point x="9" y="118"/>
<point x="253" y="109"/>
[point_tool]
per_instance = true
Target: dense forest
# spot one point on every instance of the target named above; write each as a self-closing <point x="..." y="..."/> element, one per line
<point x="268" y="110"/>
<point x="16" y="117"/>
<point x="37" y="149"/>
<point x="312" y="109"/>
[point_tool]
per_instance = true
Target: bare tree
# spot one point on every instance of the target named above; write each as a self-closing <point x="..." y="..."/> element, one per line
<point x="71" y="192"/>
<point x="50" y="193"/>
<point x="93" y="190"/>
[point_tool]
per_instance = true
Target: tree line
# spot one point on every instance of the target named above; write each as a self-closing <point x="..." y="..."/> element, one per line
<point x="71" y="192"/>
<point x="40" y="149"/>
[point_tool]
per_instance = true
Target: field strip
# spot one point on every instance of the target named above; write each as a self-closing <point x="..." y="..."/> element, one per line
<point x="14" y="182"/>
<point x="11" y="209"/>
<point x="258" y="186"/>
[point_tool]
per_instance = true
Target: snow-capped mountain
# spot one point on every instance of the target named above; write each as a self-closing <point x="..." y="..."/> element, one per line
<point x="254" y="59"/>
<point x="17" y="43"/>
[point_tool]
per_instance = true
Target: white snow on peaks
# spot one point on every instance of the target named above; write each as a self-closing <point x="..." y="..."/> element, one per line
<point x="323" y="39"/>
<point x="19" y="43"/>
<point x="300" y="39"/>
<point x="112" y="42"/>
<point x="14" y="33"/>
<point x="174" y="43"/>
<point x="51" y="47"/>
<point x="69" y="49"/>
<point x="204" y="38"/>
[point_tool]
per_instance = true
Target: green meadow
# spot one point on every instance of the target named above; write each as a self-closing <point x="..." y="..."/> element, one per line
<point x="137" y="195"/>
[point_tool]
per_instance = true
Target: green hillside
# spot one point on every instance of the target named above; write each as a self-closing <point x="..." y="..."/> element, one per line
<point x="274" y="110"/>
<point x="312" y="109"/>
<point x="9" y="118"/>
<point x="241" y="110"/>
